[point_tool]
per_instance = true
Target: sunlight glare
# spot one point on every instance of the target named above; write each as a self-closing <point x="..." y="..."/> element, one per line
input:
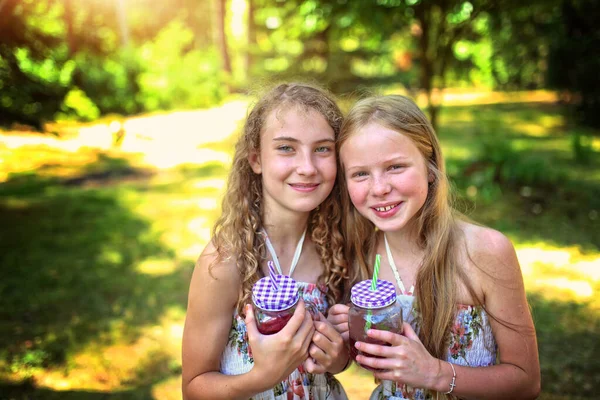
<point x="238" y="12"/>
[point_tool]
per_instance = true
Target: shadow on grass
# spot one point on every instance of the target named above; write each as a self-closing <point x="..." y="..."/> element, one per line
<point x="68" y="273"/>
<point x="568" y="345"/>
<point x="29" y="392"/>
<point x="529" y="186"/>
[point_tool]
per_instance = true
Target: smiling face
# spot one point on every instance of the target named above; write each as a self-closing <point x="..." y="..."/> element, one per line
<point x="296" y="160"/>
<point x="386" y="176"/>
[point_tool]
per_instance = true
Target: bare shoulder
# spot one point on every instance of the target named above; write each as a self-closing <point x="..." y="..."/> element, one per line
<point x="489" y="251"/>
<point x="215" y="275"/>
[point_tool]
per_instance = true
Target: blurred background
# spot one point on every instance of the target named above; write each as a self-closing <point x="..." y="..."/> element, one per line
<point x="117" y="125"/>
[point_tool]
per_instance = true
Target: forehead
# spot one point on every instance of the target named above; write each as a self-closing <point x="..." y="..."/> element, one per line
<point x="376" y="142"/>
<point x="297" y="120"/>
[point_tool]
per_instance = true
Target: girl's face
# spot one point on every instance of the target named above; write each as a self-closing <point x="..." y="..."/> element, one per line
<point x="386" y="176"/>
<point x="297" y="160"/>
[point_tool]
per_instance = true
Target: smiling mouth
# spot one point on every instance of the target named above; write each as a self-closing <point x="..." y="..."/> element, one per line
<point x="304" y="185"/>
<point x="386" y="208"/>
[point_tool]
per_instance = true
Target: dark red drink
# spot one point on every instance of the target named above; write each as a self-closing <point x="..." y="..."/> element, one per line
<point x="376" y="309"/>
<point x="271" y="322"/>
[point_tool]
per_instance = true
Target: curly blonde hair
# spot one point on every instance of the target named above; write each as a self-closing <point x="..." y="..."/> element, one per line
<point x="236" y="232"/>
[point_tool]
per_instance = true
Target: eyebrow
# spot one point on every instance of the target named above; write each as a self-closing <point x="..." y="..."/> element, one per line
<point x="291" y="139"/>
<point x="390" y="161"/>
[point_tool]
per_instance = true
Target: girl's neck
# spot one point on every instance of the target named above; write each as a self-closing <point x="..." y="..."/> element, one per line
<point x="285" y="230"/>
<point x="404" y="241"/>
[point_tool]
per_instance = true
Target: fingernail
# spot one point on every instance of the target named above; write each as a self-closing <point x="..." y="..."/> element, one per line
<point x="357" y="345"/>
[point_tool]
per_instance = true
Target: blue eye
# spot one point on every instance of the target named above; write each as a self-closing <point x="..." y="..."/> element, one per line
<point x="396" y="166"/>
<point x="323" y="149"/>
<point x="285" y="148"/>
<point x="359" y="174"/>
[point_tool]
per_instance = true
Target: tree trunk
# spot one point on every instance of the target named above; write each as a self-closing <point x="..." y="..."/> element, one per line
<point x="251" y="37"/>
<point x="222" y="36"/>
<point x="423" y="14"/>
<point x="71" y="37"/>
<point x="6" y="9"/>
<point x="124" y="29"/>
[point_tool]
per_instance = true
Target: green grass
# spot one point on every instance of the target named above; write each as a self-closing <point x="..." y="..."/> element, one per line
<point x="96" y="252"/>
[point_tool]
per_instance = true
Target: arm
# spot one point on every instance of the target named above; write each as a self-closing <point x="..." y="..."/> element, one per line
<point x="518" y="374"/>
<point x="211" y="305"/>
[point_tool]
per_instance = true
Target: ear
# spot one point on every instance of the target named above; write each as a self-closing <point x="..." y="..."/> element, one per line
<point x="254" y="160"/>
<point x="430" y="177"/>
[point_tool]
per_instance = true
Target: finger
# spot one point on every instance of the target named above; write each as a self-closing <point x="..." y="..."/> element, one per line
<point x="294" y="324"/>
<point x="386" y="336"/>
<point x="251" y="323"/>
<point x="374" y="349"/>
<point x="312" y="367"/>
<point x="318" y="355"/>
<point x="339" y="309"/>
<point x="307" y="340"/>
<point x="387" y="376"/>
<point x="383" y="364"/>
<point x="307" y="327"/>
<point x="328" y="331"/>
<point x="409" y="332"/>
<point x="346" y="336"/>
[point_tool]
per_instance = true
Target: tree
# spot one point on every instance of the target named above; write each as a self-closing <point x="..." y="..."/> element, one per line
<point x="574" y="64"/>
<point x="34" y="78"/>
<point x="222" y="36"/>
<point x="441" y="24"/>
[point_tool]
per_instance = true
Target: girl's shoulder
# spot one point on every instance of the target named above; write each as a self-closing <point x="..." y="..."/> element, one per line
<point x="487" y="253"/>
<point x="219" y="270"/>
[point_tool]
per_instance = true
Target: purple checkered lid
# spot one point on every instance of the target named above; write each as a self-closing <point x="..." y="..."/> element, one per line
<point x="362" y="295"/>
<point x="267" y="297"/>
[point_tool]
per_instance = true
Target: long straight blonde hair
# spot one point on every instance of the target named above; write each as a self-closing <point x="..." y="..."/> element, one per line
<point x="437" y="230"/>
<point x="236" y="232"/>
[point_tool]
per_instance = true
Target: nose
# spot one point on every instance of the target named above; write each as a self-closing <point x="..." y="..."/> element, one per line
<point x="380" y="186"/>
<point x="306" y="165"/>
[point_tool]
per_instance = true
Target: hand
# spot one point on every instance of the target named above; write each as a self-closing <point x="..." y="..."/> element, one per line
<point x="327" y="351"/>
<point x="338" y="317"/>
<point x="276" y="356"/>
<point x="406" y="361"/>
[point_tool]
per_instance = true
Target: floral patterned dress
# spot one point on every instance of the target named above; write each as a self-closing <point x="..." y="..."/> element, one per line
<point x="300" y="385"/>
<point x="472" y="344"/>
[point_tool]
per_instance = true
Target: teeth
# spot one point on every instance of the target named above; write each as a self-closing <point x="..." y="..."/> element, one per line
<point x="387" y="208"/>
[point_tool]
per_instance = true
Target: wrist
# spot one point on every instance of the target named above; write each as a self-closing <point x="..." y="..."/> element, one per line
<point x="446" y="378"/>
<point x="347" y="363"/>
<point x="260" y="381"/>
<point x="438" y="379"/>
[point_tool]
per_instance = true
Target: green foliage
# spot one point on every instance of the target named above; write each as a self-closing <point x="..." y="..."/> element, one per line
<point x="498" y="163"/>
<point x="76" y="102"/>
<point x="582" y="146"/>
<point x="521" y="34"/>
<point x="110" y="82"/>
<point x="34" y="70"/>
<point x="173" y="76"/>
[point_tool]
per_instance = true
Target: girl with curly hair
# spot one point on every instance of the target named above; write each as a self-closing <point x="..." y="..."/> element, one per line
<point x="281" y="205"/>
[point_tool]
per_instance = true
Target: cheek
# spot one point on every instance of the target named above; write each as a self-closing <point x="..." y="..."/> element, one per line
<point x="357" y="193"/>
<point x="329" y="167"/>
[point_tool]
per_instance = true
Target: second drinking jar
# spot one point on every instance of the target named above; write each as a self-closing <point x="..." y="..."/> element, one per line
<point x="374" y="306"/>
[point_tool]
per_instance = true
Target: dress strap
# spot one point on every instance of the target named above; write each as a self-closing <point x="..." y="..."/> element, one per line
<point x="274" y="254"/>
<point x="395" y="270"/>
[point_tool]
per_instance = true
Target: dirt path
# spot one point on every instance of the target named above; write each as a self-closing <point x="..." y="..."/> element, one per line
<point x="164" y="140"/>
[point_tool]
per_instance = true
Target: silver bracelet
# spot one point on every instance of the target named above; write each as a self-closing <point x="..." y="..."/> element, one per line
<point x="453" y="383"/>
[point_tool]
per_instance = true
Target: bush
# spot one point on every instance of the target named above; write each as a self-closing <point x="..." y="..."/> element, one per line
<point x="174" y="75"/>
